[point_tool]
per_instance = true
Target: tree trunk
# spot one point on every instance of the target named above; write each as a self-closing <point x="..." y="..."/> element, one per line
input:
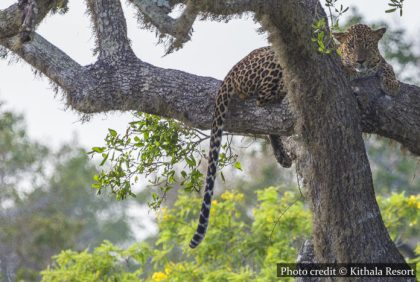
<point x="347" y="225"/>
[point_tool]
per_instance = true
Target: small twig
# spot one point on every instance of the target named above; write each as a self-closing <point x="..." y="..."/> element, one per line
<point x="278" y="219"/>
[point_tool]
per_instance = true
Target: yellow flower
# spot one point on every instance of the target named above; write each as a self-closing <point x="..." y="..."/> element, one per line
<point x="270" y="219"/>
<point x="168" y="268"/>
<point x="227" y="196"/>
<point x="164" y="214"/>
<point x="159" y="276"/>
<point x="239" y="197"/>
<point x="412" y="201"/>
<point x="213" y="210"/>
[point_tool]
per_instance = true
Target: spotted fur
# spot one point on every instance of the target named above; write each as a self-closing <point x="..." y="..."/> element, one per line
<point x="258" y="75"/>
<point x="361" y="57"/>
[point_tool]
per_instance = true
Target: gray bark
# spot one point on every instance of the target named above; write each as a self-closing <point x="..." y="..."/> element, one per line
<point x="342" y="199"/>
<point x="321" y="111"/>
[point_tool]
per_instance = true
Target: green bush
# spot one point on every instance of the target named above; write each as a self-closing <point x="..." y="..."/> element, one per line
<point x="232" y="250"/>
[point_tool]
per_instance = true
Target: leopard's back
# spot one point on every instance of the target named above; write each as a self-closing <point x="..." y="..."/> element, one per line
<point x="258" y="75"/>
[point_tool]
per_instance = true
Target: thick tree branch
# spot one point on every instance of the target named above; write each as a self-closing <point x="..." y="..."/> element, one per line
<point x="397" y="118"/>
<point x="135" y="85"/>
<point x="179" y="28"/>
<point x="110" y="28"/>
<point x="12" y="17"/>
<point x="176" y="94"/>
<point x="223" y="7"/>
<point x="51" y="61"/>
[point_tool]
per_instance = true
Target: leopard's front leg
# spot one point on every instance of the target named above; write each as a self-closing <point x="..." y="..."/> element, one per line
<point x="389" y="83"/>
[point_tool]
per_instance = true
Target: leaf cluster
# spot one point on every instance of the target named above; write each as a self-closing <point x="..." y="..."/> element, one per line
<point x="324" y="43"/>
<point x="395" y="5"/>
<point x="164" y="151"/>
<point x="106" y="263"/>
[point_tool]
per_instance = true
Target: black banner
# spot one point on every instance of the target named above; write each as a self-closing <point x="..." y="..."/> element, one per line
<point x="346" y="270"/>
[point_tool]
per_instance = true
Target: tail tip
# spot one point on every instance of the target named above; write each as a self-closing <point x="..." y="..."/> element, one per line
<point x="192" y="245"/>
<point x="194" y="242"/>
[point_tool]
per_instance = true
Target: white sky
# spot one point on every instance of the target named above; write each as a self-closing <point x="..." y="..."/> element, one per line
<point x="214" y="49"/>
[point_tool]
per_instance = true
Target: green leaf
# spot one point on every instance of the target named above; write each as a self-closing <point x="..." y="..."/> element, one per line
<point x="238" y="166"/>
<point x="112" y="132"/>
<point x="98" y="149"/>
<point x="96" y="186"/>
<point x="105" y="158"/>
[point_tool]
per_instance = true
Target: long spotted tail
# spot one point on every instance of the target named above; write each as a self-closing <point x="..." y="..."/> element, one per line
<point x="222" y="102"/>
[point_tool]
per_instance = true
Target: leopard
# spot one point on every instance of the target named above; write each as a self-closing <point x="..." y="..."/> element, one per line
<point x="361" y="58"/>
<point x="257" y="75"/>
<point x="260" y="75"/>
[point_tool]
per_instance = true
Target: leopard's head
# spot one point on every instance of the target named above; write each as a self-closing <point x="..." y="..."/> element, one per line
<point x="359" y="47"/>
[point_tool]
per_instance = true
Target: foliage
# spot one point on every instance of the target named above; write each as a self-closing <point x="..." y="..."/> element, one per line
<point x="392" y="171"/>
<point x="254" y="249"/>
<point x="335" y="12"/>
<point x="395" y="5"/>
<point x="417" y="261"/>
<point x="152" y="146"/>
<point x="46" y="204"/>
<point x="106" y="263"/>
<point x="401" y="215"/>
<point x="324" y="43"/>
<point x="232" y="250"/>
<point x="20" y="157"/>
<point x="320" y="28"/>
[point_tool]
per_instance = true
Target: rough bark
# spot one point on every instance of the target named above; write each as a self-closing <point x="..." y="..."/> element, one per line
<point x="342" y="199"/>
<point x="321" y="111"/>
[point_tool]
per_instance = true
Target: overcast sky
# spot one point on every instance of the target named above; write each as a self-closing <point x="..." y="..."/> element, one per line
<point x="214" y="49"/>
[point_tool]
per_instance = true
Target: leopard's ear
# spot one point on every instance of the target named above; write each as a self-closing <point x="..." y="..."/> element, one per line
<point x="379" y="33"/>
<point x="340" y="36"/>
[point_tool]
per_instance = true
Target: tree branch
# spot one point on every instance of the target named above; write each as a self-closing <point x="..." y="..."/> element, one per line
<point x="225" y="8"/>
<point x="155" y="13"/>
<point x="180" y="29"/>
<point x="136" y="85"/>
<point x="50" y="61"/>
<point x="396" y="118"/>
<point x="11" y="19"/>
<point x="110" y="28"/>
